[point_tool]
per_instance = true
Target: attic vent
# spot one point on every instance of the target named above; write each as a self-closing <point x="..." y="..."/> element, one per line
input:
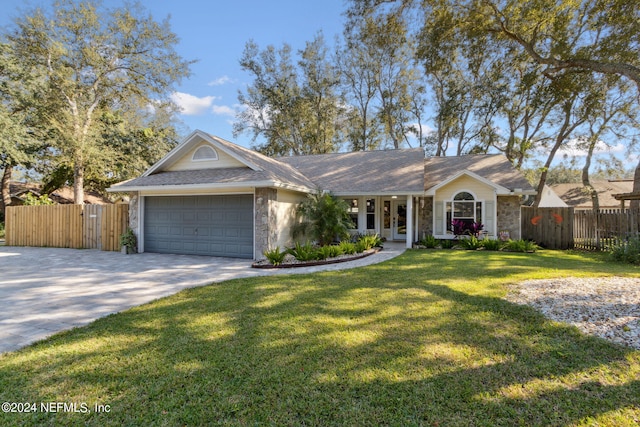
<point x="204" y="153"/>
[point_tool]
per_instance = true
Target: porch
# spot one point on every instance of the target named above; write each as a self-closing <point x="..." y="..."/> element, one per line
<point x="393" y="217"/>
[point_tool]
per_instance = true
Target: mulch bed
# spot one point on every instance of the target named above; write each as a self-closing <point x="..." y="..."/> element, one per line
<point x="293" y="263"/>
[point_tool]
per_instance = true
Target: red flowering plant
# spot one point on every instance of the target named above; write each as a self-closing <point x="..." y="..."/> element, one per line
<point x="463" y="228"/>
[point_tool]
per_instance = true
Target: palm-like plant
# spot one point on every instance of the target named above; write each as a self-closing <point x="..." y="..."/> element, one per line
<point x="323" y="217"/>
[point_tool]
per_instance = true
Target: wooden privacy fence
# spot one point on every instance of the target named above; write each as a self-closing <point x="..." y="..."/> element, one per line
<point x="551" y="228"/>
<point x="67" y="226"/>
<point x="564" y="228"/>
<point x="602" y="229"/>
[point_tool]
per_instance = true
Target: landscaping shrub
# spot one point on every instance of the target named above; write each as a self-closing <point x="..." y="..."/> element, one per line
<point x="429" y="242"/>
<point x="1" y="230"/>
<point x="491" y="244"/>
<point x="274" y="256"/>
<point x="323" y="217"/>
<point x="348" y="248"/>
<point x="627" y="251"/>
<point x="304" y="252"/>
<point x="470" y="243"/>
<point x="447" y="243"/>
<point x="369" y="241"/>
<point x="360" y="246"/>
<point x="521" y="246"/>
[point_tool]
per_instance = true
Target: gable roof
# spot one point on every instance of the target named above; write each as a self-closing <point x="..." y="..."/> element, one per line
<point x="494" y="169"/>
<point x="386" y="172"/>
<point x="260" y="170"/>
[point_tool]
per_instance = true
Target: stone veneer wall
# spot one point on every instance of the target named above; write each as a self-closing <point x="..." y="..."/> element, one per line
<point x="266" y="208"/>
<point x="134" y="224"/>
<point x="509" y="215"/>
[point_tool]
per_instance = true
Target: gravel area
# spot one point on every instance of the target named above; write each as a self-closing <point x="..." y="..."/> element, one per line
<point x="608" y="307"/>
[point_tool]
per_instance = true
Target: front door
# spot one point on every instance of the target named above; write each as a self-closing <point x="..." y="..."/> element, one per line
<point x="399" y="211"/>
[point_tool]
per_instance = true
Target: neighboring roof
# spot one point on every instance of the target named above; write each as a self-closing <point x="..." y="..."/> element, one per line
<point x="364" y="172"/>
<point x="61" y="196"/>
<point x="575" y="195"/>
<point x="495" y="168"/>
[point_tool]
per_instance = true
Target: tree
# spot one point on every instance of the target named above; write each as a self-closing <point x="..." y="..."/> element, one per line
<point x="324" y="217"/>
<point x="17" y="141"/>
<point x="358" y="80"/>
<point x="599" y="36"/>
<point x="389" y="53"/>
<point x="295" y="107"/>
<point x="94" y="61"/>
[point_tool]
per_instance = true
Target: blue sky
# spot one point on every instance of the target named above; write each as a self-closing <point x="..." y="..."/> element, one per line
<point x="214" y="33"/>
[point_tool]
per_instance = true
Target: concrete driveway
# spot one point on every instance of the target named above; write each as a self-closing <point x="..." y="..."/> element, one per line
<point x="47" y="290"/>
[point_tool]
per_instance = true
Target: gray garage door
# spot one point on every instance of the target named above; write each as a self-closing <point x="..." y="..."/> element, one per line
<point x="199" y="225"/>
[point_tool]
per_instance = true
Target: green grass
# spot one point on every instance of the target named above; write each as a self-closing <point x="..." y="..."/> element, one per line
<point x="424" y="339"/>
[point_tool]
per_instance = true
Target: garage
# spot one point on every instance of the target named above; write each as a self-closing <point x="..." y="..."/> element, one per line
<point x="199" y="225"/>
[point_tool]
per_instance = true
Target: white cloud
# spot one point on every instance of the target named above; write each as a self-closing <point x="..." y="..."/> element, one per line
<point x="576" y="148"/>
<point x="221" y="81"/>
<point x="222" y="110"/>
<point x="192" y="105"/>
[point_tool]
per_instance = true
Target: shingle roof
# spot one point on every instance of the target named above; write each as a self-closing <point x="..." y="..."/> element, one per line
<point x="575" y="195"/>
<point x="268" y="171"/>
<point x="363" y="172"/>
<point x="356" y="173"/>
<point x="493" y="167"/>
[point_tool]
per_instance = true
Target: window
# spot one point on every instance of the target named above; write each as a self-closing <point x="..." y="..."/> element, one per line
<point x="204" y="153"/>
<point x="386" y="218"/>
<point x="353" y="211"/>
<point x="464" y="207"/>
<point x="371" y="214"/>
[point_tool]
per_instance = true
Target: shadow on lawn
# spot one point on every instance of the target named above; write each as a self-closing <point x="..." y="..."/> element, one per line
<point x="362" y="347"/>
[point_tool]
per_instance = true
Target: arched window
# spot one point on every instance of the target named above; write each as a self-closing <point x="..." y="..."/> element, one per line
<point x="204" y="153"/>
<point x="465" y="209"/>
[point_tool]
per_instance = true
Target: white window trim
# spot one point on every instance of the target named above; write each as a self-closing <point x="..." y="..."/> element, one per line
<point x="206" y="159"/>
<point x="476" y="199"/>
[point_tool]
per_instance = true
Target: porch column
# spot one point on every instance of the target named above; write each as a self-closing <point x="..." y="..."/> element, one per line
<point x="409" y="222"/>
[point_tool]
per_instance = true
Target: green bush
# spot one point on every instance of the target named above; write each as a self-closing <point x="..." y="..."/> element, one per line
<point x="1" y="230"/>
<point x="335" y="251"/>
<point x="521" y="246"/>
<point x="491" y="244"/>
<point x="304" y="252"/>
<point x="274" y="256"/>
<point x="322" y="217"/>
<point x="429" y="242"/>
<point x="360" y="246"/>
<point x="470" y="243"/>
<point x="369" y="241"/>
<point x="447" y="243"/>
<point x="627" y="251"/>
<point x="347" y="247"/>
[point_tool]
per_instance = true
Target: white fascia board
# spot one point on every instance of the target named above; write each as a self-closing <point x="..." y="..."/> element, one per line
<point x="187" y="143"/>
<point x="210" y="187"/>
<point x="377" y="193"/>
<point x="214" y="140"/>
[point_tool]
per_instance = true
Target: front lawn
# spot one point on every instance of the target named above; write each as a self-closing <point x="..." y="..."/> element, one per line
<point x="424" y="339"/>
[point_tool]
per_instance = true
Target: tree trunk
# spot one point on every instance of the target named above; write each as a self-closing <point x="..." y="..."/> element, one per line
<point x="5" y="188"/>
<point x="595" y="202"/>
<point x="635" y="204"/>
<point x="78" y="184"/>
